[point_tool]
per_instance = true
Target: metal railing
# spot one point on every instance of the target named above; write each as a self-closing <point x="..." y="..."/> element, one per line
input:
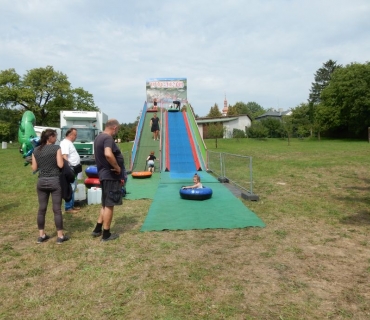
<point x="201" y="147"/>
<point x="127" y="159"/>
<point x="137" y="136"/>
<point x="232" y="168"/>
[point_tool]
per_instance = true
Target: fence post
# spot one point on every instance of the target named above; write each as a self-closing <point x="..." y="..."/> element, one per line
<point x="223" y="178"/>
<point x="221" y="170"/>
<point x="251" y="174"/>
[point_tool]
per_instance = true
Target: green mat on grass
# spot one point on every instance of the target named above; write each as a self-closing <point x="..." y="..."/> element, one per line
<point x="142" y="188"/>
<point x="169" y="212"/>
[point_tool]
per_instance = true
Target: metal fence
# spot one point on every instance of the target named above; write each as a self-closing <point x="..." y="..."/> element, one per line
<point x="232" y="168"/>
<point x="127" y="159"/>
<point x="140" y="125"/>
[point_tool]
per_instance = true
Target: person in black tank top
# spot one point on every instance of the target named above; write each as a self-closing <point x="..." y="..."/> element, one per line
<point x="47" y="160"/>
<point x="154" y="126"/>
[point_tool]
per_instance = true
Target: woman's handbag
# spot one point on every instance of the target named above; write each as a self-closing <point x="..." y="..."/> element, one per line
<point x="77" y="169"/>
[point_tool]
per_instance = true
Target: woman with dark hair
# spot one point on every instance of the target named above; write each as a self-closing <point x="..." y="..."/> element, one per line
<point x="47" y="159"/>
<point x="154" y="126"/>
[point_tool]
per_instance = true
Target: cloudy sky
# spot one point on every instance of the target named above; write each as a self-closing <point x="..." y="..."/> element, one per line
<point x="265" y="51"/>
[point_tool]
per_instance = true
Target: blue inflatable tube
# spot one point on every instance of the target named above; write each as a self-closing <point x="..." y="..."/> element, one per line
<point x="92" y="171"/>
<point x="196" y="194"/>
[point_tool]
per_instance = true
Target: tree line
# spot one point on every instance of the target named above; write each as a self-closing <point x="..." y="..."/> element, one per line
<point x="252" y="109"/>
<point x="338" y="106"/>
<point x="45" y="92"/>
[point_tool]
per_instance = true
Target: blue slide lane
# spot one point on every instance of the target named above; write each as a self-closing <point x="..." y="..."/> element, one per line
<point x="181" y="157"/>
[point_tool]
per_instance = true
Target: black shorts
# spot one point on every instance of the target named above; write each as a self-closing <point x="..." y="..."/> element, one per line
<point x="155" y="128"/>
<point x="111" y="193"/>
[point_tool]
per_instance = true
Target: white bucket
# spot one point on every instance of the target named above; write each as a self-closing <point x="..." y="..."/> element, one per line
<point x="91" y="196"/>
<point x="98" y="195"/>
<point x="4" y="145"/>
<point x="80" y="193"/>
<point x="94" y="195"/>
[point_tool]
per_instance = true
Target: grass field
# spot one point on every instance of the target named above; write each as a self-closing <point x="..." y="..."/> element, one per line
<point x="312" y="261"/>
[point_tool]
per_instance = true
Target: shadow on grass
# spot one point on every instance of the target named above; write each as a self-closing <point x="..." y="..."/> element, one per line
<point x="351" y="199"/>
<point x="126" y="223"/>
<point x="359" y="188"/>
<point x="366" y="180"/>
<point x="361" y="218"/>
<point x="75" y="224"/>
<point x="9" y="206"/>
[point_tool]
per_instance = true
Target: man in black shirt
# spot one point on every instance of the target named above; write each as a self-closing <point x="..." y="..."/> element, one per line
<point x="110" y="164"/>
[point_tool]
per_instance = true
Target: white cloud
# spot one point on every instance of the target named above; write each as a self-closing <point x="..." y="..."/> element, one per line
<point x="262" y="51"/>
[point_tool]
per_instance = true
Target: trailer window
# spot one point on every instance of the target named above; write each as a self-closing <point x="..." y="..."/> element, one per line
<point x="85" y="135"/>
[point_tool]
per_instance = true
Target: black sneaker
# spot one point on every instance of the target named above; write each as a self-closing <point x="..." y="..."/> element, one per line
<point x="61" y="240"/>
<point x="43" y="239"/>
<point x="96" y="234"/>
<point x="113" y="236"/>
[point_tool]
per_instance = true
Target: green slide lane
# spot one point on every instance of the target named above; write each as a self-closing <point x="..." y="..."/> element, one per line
<point x="144" y="188"/>
<point x="201" y="148"/>
<point x="168" y="210"/>
<point x="146" y="145"/>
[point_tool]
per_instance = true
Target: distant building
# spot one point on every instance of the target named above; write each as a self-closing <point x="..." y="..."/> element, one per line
<point x="274" y="114"/>
<point x="241" y="122"/>
<point x="225" y="108"/>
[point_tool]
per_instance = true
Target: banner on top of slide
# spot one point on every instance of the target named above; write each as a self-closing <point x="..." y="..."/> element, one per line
<point x="166" y="90"/>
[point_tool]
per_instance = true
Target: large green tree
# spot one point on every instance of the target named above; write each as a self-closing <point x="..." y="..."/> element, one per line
<point x="9" y="119"/>
<point x="257" y="130"/>
<point x="214" y="112"/>
<point x="242" y="108"/>
<point x="232" y="111"/>
<point x="43" y="91"/>
<point x="216" y="131"/>
<point x="300" y="120"/>
<point x="287" y="126"/>
<point x="255" y="109"/>
<point x="252" y="109"/>
<point x="127" y="131"/>
<point x="345" y="103"/>
<point x="274" y="127"/>
<point x="322" y="80"/>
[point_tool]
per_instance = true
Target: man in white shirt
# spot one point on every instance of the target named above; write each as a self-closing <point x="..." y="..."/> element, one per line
<point x="70" y="153"/>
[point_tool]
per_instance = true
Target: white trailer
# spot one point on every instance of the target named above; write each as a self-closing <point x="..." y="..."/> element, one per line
<point x="88" y="124"/>
<point x="40" y="129"/>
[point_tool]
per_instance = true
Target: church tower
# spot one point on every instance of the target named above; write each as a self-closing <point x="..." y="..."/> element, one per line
<point x="225" y="108"/>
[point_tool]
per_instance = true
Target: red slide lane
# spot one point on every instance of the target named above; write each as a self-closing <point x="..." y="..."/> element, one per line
<point x="193" y="149"/>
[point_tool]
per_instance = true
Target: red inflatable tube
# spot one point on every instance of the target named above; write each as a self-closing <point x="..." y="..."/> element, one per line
<point x="95" y="182"/>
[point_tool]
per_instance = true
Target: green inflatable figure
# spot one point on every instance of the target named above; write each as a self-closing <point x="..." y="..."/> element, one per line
<point x="27" y="135"/>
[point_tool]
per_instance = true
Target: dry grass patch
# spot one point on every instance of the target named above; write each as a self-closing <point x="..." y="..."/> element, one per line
<point x="310" y="262"/>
